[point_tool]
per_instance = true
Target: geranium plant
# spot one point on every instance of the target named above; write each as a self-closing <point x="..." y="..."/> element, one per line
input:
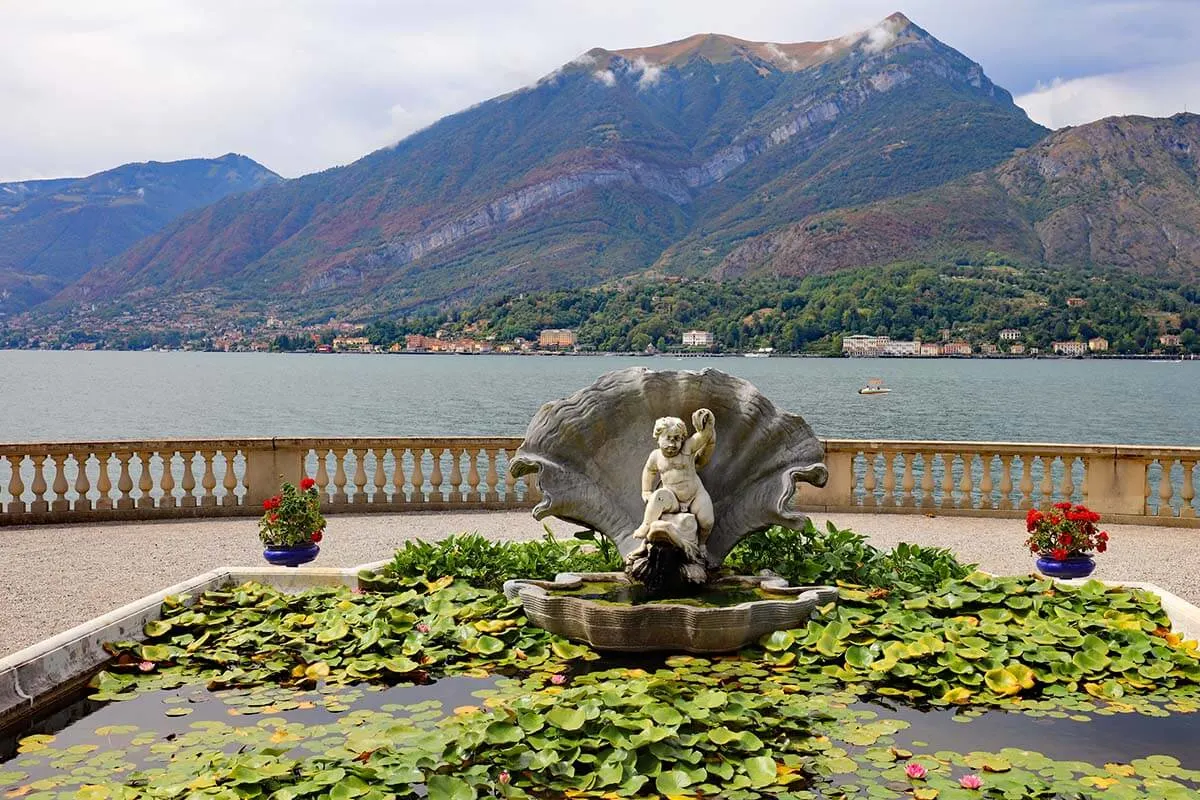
<point x="1065" y="531"/>
<point x="292" y="517"/>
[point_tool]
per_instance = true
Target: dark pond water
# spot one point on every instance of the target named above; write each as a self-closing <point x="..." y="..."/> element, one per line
<point x="1116" y="738"/>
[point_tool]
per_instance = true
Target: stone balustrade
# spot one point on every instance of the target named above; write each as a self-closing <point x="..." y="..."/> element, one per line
<point x="125" y="480"/>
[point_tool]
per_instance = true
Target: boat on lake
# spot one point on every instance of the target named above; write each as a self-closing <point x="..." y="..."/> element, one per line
<point x="874" y="386"/>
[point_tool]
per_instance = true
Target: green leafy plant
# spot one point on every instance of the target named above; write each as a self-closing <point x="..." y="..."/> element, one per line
<point x="836" y="555"/>
<point x="488" y="564"/>
<point x="292" y="517"/>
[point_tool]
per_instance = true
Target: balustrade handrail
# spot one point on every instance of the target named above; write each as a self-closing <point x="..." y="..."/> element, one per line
<point x="83" y="481"/>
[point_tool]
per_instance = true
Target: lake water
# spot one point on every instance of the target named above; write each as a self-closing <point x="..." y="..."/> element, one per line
<point x="80" y="396"/>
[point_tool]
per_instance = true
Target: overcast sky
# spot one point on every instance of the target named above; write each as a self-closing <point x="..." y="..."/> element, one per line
<point x="302" y="85"/>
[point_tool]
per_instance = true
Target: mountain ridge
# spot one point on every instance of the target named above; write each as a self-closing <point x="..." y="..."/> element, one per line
<point x="53" y="231"/>
<point x="588" y="175"/>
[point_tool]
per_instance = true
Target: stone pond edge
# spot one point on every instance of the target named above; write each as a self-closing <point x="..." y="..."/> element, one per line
<point x="54" y="669"/>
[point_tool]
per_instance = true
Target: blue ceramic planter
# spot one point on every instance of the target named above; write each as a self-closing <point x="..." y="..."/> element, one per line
<point x="1074" y="567"/>
<point x="293" y="556"/>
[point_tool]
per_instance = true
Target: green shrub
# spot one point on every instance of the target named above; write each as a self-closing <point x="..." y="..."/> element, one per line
<point x="807" y="556"/>
<point x="488" y="564"/>
<point x="811" y="556"/>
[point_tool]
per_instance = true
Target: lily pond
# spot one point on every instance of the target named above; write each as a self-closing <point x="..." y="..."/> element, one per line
<point x="978" y="687"/>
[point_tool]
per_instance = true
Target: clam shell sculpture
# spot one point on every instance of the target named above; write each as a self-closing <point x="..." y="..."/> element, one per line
<point x="589" y="449"/>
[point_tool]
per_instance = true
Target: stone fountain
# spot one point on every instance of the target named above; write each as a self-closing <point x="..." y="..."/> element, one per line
<point x="618" y="457"/>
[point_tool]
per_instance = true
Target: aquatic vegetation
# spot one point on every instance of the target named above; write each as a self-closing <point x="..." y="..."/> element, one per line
<point x="441" y="689"/>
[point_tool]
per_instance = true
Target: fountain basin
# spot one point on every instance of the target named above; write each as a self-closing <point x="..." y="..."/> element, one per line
<point x="679" y="625"/>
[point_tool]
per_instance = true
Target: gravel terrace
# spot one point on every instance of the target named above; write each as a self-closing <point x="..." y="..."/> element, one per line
<point x="55" y="577"/>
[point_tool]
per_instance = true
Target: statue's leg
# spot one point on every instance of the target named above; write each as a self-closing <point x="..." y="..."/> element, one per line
<point x="702" y="507"/>
<point x="661" y="502"/>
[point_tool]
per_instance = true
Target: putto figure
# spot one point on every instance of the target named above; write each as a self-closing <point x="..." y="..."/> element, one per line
<point x="674" y="464"/>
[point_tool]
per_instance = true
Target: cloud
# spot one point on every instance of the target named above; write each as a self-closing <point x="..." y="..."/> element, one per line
<point x="650" y="72"/>
<point x="605" y="76"/>
<point x="302" y="85"/>
<point x="582" y="60"/>
<point x="879" y="37"/>
<point x="780" y="56"/>
<point x="1152" y="92"/>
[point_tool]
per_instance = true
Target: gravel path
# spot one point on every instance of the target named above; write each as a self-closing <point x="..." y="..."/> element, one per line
<point x="55" y="577"/>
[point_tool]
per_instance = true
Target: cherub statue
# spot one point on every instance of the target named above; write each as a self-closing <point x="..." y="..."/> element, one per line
<point x="674" y="464"/>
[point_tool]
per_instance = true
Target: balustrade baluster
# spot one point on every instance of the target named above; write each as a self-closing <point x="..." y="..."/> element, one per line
<point x="16" y="486"/>
<point x="927" y="480"/>
<point x="493" y="478"/>
<point x="986" y="500"/>
<point x="907" y="482"/>
<point x="869" y="483"/>
<point x="124" y="482"/>
<point x="188" y="483"/>
<point x="229" y="479"/>
<point x="38" y="487"/>
<point x="104" y="482"/>
<point x="1006" y="484"/>
<point x="167" y="483"/>
<point x="399" y="494"/>
<point x="1067" y="487"/>
<point x="339" y="477"/>
<point x="1165" y="490"/>
<point x="60" y="485"/>
<point x="1187" y="490"/>
<point x="889" y="479"/>
<point x="510" y="483"/>
<point x="82" y="485"/>
<point x="322" y="476"/>
<point x="947" y="480"/>
<point x="435" y="477"/>
<point x="1047" y="487"/>
<point x="966" y="485"/>
<point x="1026" y="486"/>
<point x="360" y="476"/>
<point x="145" y="483"/>
<point x="379" y="481"/>
<point x="1146" y="490"/>
<point x="418" y="475"/>
<point x="473" y="475"/>
<point x="456" y="477"/>
<point x="208" y="481"/>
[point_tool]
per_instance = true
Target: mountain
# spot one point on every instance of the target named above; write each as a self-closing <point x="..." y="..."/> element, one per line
<point x="619" y="161"/>
<point x="1121" y="192"/>
<point x="53" y="231"/>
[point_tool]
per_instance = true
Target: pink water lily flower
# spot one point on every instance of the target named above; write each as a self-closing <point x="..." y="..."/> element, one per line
<point x="504" y="777"/>
<point x="970" y="782"/>
<point x="915" y="771"/>
<point x="558" y="680"/>
<point x="422" y="627"/>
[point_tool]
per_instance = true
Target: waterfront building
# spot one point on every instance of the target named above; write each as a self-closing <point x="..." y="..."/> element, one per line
<point x="930" y="349"/>
<point x="1070" y="348"/>
<point x="959" y="348"/>
<point x="1098" y="344"/>
<point x="361" y="343"/>
<point x="560" y="338"/>
<point x="988" y="349"/>
<point x="1010" y="335"/>
<point x="1017" y="349"/>
<point x="1169" y="340"/>
<point x="698" y="339"/>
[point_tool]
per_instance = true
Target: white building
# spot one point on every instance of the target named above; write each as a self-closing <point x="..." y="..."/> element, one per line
<point x="1070" y="348"/>
<point x="698" y="339"/>
<point x="1010" y="335"/>
<point x="859" y="344"/>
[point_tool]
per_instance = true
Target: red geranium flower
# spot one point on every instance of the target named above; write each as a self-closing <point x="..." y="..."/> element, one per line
<point x="307" y="484"/>
<point x="316" y="537"/>
<point x="1059" y="554"/>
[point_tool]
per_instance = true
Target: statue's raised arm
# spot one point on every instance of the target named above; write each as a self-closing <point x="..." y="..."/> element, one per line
<point x="704" y="440"/>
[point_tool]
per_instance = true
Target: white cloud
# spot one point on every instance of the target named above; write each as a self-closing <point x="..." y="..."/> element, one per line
<point x="879" y="37"/>
<point x="780" y="56"/>
<point x="1154" y="92"/>
<point x="650" y="72"/>
<point x="302" y="85"/>
<point x="605" y="76"/>
<point x="582" y="60"/>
